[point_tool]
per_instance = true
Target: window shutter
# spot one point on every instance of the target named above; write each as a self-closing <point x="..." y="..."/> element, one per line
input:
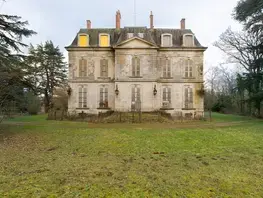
<point x="169" y="68"/>
<point x="133" y="66"/>
<point x="138" y="94"/>
<point x="169" y="94"/>
<point x="85" y="68"/>
<point x="163" y="64"/>
<point x="101" y="94"/>
<point x="191" y="97"/>
<point x="138" y="66"/>
<point x="106" y="68"/>
<point x="186" y="97"/>
<point x="101" y="68"/>
<point x="80" y="97"/>
<point x="133" y="94"/>
<point x="106" y="94"/>
<point x="104" y="40"/>
<point x="190" y="71"/>
<point x="164" y="94"/>
<point x="83" y="40"/>
<point x="84" y="97"/>
<point x="80" y="68"/>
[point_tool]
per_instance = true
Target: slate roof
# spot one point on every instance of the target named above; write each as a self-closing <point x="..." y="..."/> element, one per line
<point x="118" y="36"/>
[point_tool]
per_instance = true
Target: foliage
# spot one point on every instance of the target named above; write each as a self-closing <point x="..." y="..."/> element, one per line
<point x="33" y="103"/>
<point x="48" y="70"/>
<point x="12" y="74"/>
<point x="41" y="158"/>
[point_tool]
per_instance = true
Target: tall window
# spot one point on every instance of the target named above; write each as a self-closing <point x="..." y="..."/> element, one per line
<point x="188" y="65"/>
<point x="166" y="68"/>
<point x="136" y="98"/>
<point x="82" y="68"/>
<point x="188" y="40"/>
<point x="188" y="97"/>
<point x="104" y="68"/>
<point x="103" y="97"/>
<point x="135" y="66"/>
<point x="83" y="97"/>
<point x="104" y="40"/>
<point x="167" y="40"/>
<point x="167" y="99"/>
<point x="83" y="40"/>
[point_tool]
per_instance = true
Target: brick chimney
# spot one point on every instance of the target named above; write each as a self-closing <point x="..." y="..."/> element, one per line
<point x="88" y="24"/>
<point x="118" y="19"/>
<point x="151" y="20"/>
<point x="183" y="24"/>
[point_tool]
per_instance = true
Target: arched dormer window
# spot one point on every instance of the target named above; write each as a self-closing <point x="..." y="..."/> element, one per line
<point x="167" y="40"/>
<point x="188" y="40"/>
<point x="83" y="40"/>
<point x="104" y="40"/>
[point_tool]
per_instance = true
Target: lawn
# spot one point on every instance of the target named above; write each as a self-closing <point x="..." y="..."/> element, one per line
<point x="41" y="158"/>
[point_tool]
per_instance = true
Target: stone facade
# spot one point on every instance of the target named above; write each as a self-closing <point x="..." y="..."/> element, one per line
<point x="139" y="75"/>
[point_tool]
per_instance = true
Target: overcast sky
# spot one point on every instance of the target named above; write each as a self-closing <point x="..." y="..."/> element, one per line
<point x="60" y="20"/>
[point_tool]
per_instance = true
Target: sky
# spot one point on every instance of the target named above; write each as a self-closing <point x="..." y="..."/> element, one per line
<point x="60" y="20"/>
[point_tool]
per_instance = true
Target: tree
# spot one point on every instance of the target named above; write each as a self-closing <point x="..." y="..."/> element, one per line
<point x="47" y="70"/>
<point x="242" y="49"/>
<point x="250" y="13"/>
<point x="12" y="81"/>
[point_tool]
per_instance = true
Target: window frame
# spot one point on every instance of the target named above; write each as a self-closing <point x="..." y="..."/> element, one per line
<point x="136" y="97"/>
<point x="106" y="68"/>
<point x="188" y="68"/>
<point x="83" y="68"/>
<point x="166" y="67"/>
<point x="166" y="96"/>
<point x="189" y="99"/>
<point x="103" y="97"/>
<point x="171" y="40"/>
<point x="193" y="40"/>
<point x="82" y="100"/>
<point x="83" y="34"/>
<point x="136" y="68"/>
<point x="104" y="34"/>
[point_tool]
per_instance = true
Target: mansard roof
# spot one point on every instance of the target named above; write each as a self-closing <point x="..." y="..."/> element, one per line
<point x="118" y="36"/>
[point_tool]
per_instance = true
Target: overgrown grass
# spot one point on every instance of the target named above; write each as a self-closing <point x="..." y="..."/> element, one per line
<point x="42" y="158"/>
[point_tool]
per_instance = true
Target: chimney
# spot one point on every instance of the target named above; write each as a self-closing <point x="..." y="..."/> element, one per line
<point x="88" y="24"/>
<point x="118" y="19"/>
<point x="183" y="24"/>
<point x="151" y="21"/>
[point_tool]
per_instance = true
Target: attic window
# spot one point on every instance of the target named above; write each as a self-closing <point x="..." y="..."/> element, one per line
<point x="104" y="40"/>
<point x="188" y="40"/>
<point x="129" y="35"/>
<point x="141" y="35"/>
<point x="83" y="40"/>
<point x="167" y="40"/>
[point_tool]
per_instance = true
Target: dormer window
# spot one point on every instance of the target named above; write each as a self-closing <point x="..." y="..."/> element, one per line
<point x="167" y="40"/>
<point x="129" y="35"/>
<point x="188" y="40"/>
<point x="83" y="40"/>
<point x="141" y="35"/>
<point x="104" y="40"/>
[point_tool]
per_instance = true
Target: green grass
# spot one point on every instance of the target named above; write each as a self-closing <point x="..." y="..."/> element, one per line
<point x="42" y="158"/>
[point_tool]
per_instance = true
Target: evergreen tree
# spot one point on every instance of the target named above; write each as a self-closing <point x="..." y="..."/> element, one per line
<point x="47" y="69"/>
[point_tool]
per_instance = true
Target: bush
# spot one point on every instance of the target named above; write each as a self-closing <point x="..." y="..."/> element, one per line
<point x="33" y="104"/>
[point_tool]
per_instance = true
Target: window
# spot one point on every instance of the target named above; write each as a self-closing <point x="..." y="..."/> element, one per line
<point x="136" y="98"/>
<point x="188" y="65"/>
<point x="129" y="35"/>
<point x="166" y="65"/>
<point x="104" y="40"/>
<point x="82" y="97"/>
<point x="188" y="40"/>
<point x="82" y="68"/>
<point x="141" y="35"/>
<point x="103" y="97"/>
<point x="104" y="68"/>
<point x="167" y="40"/>
<point x="167" y="97"/>
<point x="188" y="97"/>
<point x="135" y="66"/>
<point x="83" y="40"/>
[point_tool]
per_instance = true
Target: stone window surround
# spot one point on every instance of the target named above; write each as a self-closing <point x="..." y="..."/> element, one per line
<point x="171" y="41"/>
<point x="104" y="34"/>
<point x="193" y="39"/>
<point x="83" y="34"/>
